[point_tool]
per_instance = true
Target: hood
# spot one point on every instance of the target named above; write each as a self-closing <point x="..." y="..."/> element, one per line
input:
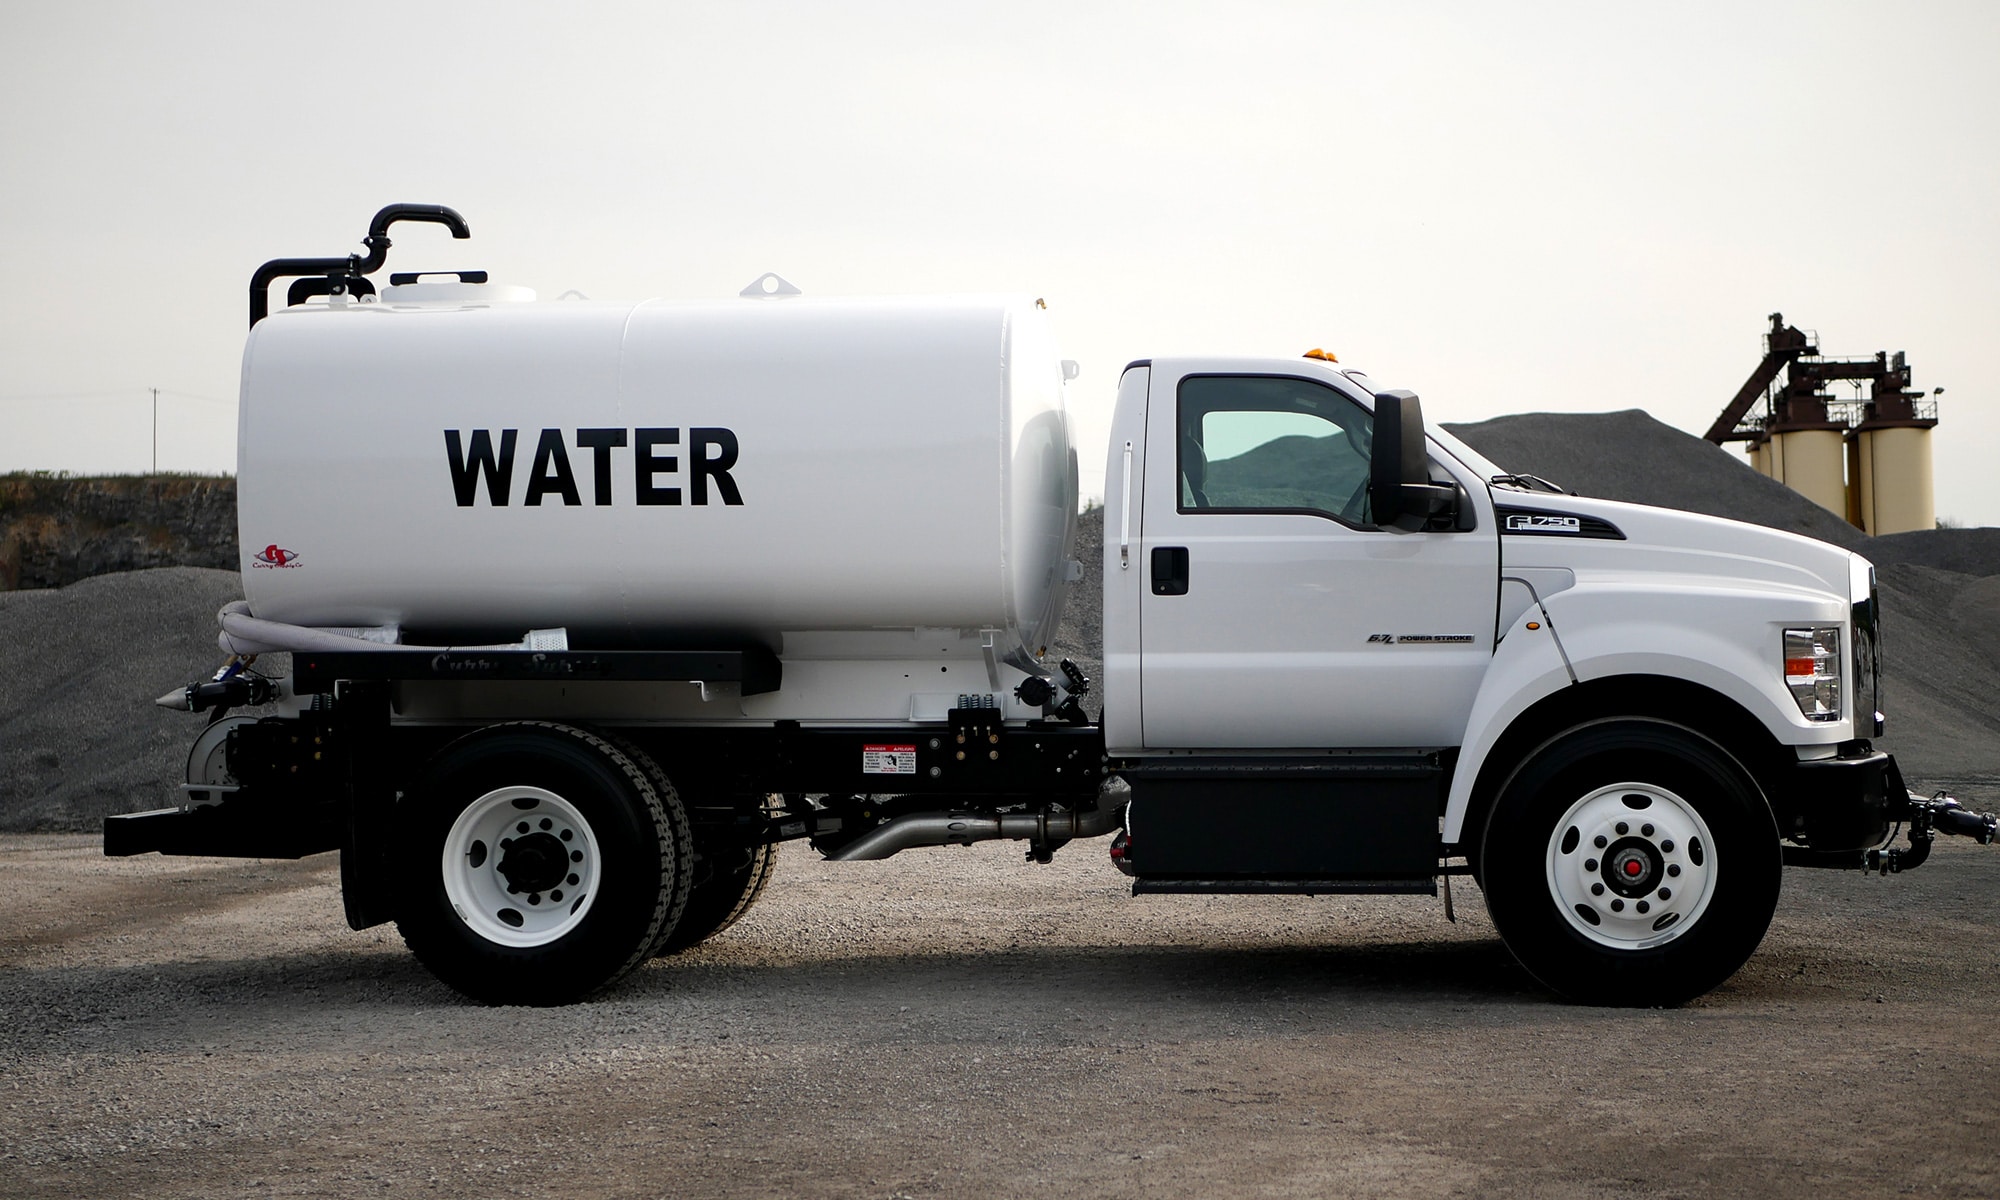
<point x="1538" y="529"/>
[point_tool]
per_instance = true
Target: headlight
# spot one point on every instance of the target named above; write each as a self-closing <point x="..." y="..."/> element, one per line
<point x="1812" y="671"/>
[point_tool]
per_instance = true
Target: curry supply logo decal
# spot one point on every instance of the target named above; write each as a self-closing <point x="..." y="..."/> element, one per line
<point x="647" y="461"/>
<point x="889" y="760"/>
<point x="273" y="556"/>
<point x="1420" y="639"/>
<point x="1543" y="523"/>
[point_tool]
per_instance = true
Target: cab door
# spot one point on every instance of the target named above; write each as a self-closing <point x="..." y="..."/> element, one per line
<point x="1274" y="613"/>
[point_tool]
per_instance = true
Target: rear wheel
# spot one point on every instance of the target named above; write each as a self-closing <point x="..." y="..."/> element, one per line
<point x="541" y="865"/>
<point x="737" y="876"/>
<point x="1631" y="862"/>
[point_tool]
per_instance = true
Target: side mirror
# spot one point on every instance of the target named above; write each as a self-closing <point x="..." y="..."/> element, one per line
<point x="1400" y="491"/>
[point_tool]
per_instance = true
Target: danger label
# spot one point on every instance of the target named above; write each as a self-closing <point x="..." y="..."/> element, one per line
<point x="888" y="760"/>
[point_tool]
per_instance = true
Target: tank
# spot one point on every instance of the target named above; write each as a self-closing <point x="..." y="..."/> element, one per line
<point x="465" y="464"/>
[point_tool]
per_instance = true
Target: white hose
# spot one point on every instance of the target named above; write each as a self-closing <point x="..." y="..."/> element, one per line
<point x="245" y="634"/>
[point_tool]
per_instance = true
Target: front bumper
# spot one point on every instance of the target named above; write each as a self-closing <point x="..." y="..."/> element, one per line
<point x="1839" y="812"/>
<point x="1836" y="806"/>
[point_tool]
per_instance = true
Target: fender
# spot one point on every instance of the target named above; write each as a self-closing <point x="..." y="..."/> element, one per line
<point x="1717" y="634"/>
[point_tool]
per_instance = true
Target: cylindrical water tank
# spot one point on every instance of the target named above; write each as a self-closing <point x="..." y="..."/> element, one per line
<point x="657" y="473"/>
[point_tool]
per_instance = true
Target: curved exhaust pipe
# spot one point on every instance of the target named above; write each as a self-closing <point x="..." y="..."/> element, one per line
<point x="1046" y="829"/>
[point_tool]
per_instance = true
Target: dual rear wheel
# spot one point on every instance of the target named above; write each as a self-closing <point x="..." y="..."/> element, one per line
<point x="544" y="862"/>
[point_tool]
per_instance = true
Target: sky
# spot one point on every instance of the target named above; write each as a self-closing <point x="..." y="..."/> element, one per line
<point x="1503" y="207"/>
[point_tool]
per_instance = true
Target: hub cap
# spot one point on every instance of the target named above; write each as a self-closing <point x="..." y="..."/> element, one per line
<point x="1631" y="866"/>
<point x="520" y="866"/>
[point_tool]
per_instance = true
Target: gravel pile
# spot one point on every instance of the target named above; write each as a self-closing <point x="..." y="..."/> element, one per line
<point x="80" y="737"/>
<point x="1630" y="456"/>
<point x="79" y="666"/>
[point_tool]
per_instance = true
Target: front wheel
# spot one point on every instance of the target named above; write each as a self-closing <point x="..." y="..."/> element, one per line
<point x="540" y="865"/>
<point x="1631" y="862"/>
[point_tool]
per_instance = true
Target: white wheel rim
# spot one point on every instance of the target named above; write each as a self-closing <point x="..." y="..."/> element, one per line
<point x="520" y="866"/>
<point x="1631" y="866"/>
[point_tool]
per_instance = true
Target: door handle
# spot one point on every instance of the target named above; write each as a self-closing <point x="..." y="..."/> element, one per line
<point x="1170" y="570"/>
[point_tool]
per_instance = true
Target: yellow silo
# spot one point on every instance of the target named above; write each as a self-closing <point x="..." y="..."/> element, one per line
<point x="1892" y="477"/>
<point x="1810" y="459"/>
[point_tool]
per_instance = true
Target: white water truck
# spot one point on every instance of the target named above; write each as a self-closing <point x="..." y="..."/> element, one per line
<point x="589" y="606"/>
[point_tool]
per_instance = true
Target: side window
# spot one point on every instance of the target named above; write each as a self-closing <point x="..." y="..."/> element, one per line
<point x="1263" y="443"/>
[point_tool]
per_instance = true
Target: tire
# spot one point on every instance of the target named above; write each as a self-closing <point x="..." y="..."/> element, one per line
<point x="1631" y="862"/>
<point x="738" y="876"/>
<point x="726" y="878"/>
<point x="541" y="865"/>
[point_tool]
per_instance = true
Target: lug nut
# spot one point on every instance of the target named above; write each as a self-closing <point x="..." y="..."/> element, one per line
<point x="573" y="881"/>
<point x="1617" y="906"/>
<point x="1668" y="845"/>
<point x="1597" y="889"/>
<point x="1666" y="893"/>
<point x="534" y="897"/>
<point x="1600" y="841"/>
<point x="1643" y="907"/>
<point x="1645" y="831"/>
<point x="1590" y="864"/>
<point x="1674" y="869"/>
<point x="521" y="828"/>
<point x="1623" y="829"/>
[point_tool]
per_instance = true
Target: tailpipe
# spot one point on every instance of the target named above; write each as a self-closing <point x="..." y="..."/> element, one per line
<point x="1045" y="831"/>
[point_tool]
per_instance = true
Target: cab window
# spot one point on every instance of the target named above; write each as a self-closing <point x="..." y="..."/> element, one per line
<point x="1263" y="443"/>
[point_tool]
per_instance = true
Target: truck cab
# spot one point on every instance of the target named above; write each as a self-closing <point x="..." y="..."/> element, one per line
<point x="1368" y="645"/>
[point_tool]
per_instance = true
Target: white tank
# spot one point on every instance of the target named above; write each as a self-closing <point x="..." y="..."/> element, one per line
<point x="658" y="473"/>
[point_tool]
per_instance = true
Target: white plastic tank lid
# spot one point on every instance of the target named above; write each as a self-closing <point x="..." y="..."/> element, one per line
<point x="455" y="293"/>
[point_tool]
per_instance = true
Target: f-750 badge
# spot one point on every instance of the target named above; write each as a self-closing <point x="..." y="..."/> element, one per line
<point x="1543" y="523"/>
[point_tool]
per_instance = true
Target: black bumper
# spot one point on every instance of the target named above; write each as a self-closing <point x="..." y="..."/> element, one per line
<point x="1832" y="808"/>
<point x="236" y="827"/>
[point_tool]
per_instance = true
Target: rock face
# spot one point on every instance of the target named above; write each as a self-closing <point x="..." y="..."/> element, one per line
<point x="55" y="530"/>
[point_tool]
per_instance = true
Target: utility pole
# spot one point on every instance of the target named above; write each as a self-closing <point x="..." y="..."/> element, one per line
<point x="156" y="431"/>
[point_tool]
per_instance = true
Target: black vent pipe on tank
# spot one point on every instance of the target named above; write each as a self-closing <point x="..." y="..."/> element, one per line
<point x="354" y="265"/>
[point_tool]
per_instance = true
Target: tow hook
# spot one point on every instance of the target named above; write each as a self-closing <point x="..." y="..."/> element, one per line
<point x="1928" y="818"/>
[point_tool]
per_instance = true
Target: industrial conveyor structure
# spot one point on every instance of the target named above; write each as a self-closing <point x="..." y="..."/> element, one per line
<point x="1868" y="460"/>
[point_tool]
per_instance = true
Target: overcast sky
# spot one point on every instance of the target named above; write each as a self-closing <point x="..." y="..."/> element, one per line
<point x="1505" y="207"/>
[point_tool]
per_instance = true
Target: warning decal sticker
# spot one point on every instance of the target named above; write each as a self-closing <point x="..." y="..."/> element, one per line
<point x="889" y="760"/>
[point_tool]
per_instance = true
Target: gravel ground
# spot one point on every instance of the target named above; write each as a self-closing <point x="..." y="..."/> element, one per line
<point x="956" y="1023"/>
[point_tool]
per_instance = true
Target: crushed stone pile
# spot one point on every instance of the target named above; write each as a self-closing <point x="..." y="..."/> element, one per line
<point x="1630" y="456"/>
<point x="79" y="666"/>
<point x="80" y="736"/>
